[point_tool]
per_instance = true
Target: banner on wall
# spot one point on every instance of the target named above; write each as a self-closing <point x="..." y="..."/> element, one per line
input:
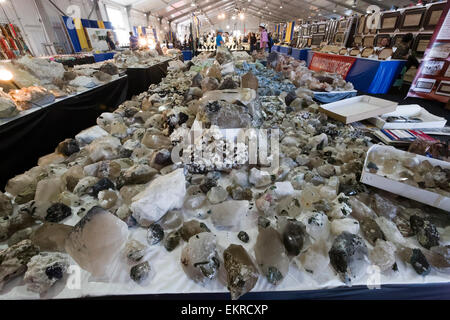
<point x="289" y="31"/>
<point x="432" y="80"/>
<point x="332" y="63"/>
<point x="97" y="39"/>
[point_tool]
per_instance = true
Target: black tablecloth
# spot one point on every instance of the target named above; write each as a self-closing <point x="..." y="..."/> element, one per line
<point x="25" y="140"/>
<point x="140" y="79"/>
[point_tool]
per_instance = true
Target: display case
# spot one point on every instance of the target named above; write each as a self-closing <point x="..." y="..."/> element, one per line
<point x="385" y="53"/>
<point x="357" y="41"/>
<point x="343" y="25"/>
<point x="390" y="21"/>
<point x="361" y="25"/>
<point x="368" y="41"/>
<point x="322" y="28"/>
<point x="317" y="39"/>
<point x="412" y="19"/>
<point x="367" y="52"/>
<point x="355" y="52"/>
<point x="343" y="51"/>
<point x="379" y="39"/>
<point x="339" y="38"/>
<point x="433" y="15"/>
<point x="366" y="28"/>
<point x="420" y="44"/>
<point x="314" y="29"/>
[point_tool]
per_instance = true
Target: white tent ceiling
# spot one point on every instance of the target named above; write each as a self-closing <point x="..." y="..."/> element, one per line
<point x="179" y="11"/>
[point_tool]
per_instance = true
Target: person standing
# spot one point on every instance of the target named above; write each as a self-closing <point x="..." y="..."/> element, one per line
<point x="134" y="42"/>
<point x="252" y="42"/>
<point x="219" y="39"/>
<point x="264" y="40"/>
<point x="110" y="42"/>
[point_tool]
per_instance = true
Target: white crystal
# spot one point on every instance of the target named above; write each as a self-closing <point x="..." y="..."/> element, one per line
<point x="259" y="178"/>
<point x="163" y="194"/>
<point x="87" y="136"/>
<point x="347" y="224"/>
<point x="229" y="214"/>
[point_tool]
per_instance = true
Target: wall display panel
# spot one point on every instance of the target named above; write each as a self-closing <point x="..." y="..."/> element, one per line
<point x="412" y="19"/>
<point x="317" y="40"/>
<point x="443" y="88"/>
<point x="343" y="24"/>
<point x="314" y="29"/>
<point x="367" y="52"/>
<point x="421" y="44"/>
<point x="385" y="53"/>
<point x="322" y="28"/>
<point x="398" y="39"/>
<point x="389" y="21"/>
<point x="433" y="15"/>
<point x="361" y="24"/>
<point x="379" y="39"/>
<point x="368" y="41"/>
<point x="357" y="41"/>
<point x="354" y="52"/>
<point x="339" y="38"/>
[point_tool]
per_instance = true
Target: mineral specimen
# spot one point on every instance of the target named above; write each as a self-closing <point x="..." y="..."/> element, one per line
<point x="243" y="236"/>
<point x="58" y="212"/>
<point x="163" y="194"/>
<point x="140" y="272"/>
<point x="242" y="273"/>
<point x="271" y="255"/>
<point x="348" y="256"/>
<point x="199" y="258"/>
<point x="155" y="234"/>
<point x="293" y="233"/>
<point x="426" y="232"/>
<point x="229" y="214"/>
<point x="96" y="241"/>
<point x="51" y="236"/>
<point x="13" y="260"/>
<point x="134" y="250"/>
<point x="383" y="254"/>
<point x="191" y="228"/>
<point x="44" y="270"/>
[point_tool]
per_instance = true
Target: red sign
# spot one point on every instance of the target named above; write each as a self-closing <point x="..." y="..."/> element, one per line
<point x="432" y="80"/>
<point x="331" y="63"/>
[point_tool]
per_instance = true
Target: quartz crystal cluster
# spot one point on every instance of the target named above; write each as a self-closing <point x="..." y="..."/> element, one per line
<point x="120" y="198"/>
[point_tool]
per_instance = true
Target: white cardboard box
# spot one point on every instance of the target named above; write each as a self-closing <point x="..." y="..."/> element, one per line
<point x="421" y="195"/>
<point x="412" y="110"/>
<point x="357" y="108"/>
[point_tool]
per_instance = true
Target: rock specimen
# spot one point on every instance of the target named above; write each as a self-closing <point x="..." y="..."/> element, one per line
<point x="140" y="272"/>
<point x="229" y="214"/>
<point x="344" y="225"/>
<point x="44" y="270"/>
<point x="134" y="250"/>
<point x="163" y="194"/>
<point x="426" y="232"/>
<point x="191" y="228"/>
<point x="51" y="236"/>
<point x="199" y="257"/>
<point x="249" y="80"/>
<point x="8" y="108"/>
<point x="155" y="234"/>
<point x="13" y="260"/>
<point x="348" y="256"/>
<point x="293" y="233"/>
<point x="96" y="241"/>
<point x="243" y="236"/>
<point x="271" y="255"/>
<point x="19" y="236"/>
<point x="417" y="259"/>
<point x="58" y="212"/>
<point x="383" y="254"/>
<point x="17" y="221"/>
<point x="172" y="240"/>
<point x="68" y="147"/>
<point x="371" y="231"/>
<point x="315" y="259"/>
<point x="6" y="207"/>
<point x="217" y="194"/>
<point x="242" y="273"/>
<point x="259" y="178"/>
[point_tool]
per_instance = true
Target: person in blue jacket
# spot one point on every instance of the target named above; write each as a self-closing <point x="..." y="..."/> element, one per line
<point x="219" y="39"/>
<point x="134" y="42"/>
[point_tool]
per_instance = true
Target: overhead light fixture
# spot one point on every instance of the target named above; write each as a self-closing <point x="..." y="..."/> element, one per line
<point x="241" y="16"/>
<point x="233" y="17"/>
<point x="192" y="4"/>
<point x="228" y="27"/>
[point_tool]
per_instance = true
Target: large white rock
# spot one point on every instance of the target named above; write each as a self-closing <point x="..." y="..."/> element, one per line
<point x="259" y="178"/>
<point x="347" y="224"/>
<point x="87" y="136"/>
<point x="229" y="214"/>
<point x="163" y="194"/>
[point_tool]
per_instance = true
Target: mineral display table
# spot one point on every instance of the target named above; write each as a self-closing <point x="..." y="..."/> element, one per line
<point x="285" y="50"/>
<point x="37" y="131"/>
<point x="300" y="54"/>
<point x="139" y="79"/>
<point x="367" y="75"/>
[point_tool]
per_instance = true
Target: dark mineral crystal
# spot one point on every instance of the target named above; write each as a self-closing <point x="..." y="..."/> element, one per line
<point x="263" y="222"/>
<point x="243" y="236"/>
<point x="172" y="241"/>
<point x="426" y="232"/>
<point x="163" y="157"/>
<point x="291" y="96"/>
<point x="140" y="272"/>
<point x="155" y="234"/>
<point x="207" y="184"/>
<point x="54" y="271"/>
<point x="293" y="237"/>
<point x="58" y="212"/>
<point x="419" y="262"/>
<point x="102" y="184"/>
<point x="371" y="231"/>
<point x="274" y="275"/>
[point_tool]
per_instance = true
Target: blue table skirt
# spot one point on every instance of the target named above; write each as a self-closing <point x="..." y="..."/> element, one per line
<point x="371" y="76"/>
<point x="187" y="55"/>
<point x="329" y="97"/>
<point x="103" y="56"/>
<point x="285" y="50"/>
<point x="276" y="48"/>
<point x="300" y="54"/>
